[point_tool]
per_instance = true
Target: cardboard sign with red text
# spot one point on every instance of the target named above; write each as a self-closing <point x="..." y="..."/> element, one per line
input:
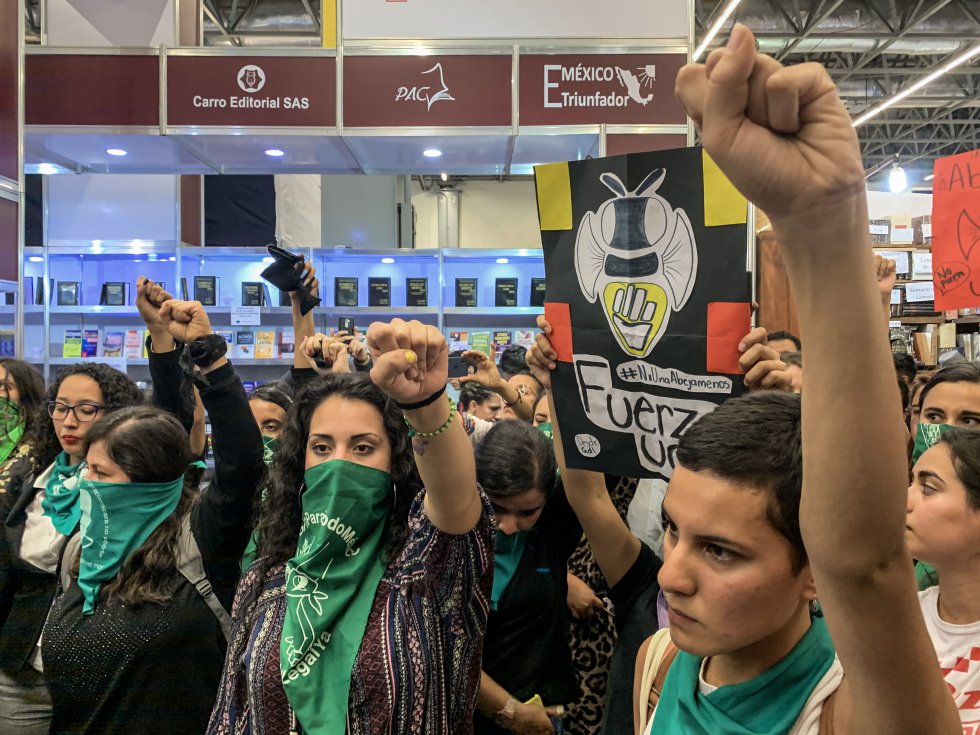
<point x="956" y="231"/>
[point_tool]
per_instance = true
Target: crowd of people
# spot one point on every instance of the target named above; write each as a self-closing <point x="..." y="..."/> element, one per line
<point x="368" y="555"/>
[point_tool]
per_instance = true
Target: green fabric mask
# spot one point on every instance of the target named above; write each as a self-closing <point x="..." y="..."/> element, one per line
<point x="270" y="448"/>
<point x="769" y="703"/>
<point x="926" y="437"/>
<point x="118" y="518"/>
<point x="61" y="494"/>
<point x="11" y="428"/>
<point x="330" y="587"/>
<point x="507" y="556"/>
<point x="546" y="429"/>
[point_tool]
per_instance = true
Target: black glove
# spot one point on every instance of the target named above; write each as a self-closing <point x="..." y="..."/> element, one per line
<point x="286" y="274"/>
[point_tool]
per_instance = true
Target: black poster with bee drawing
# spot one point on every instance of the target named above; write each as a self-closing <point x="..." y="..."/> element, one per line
<point x="648" y="295"/>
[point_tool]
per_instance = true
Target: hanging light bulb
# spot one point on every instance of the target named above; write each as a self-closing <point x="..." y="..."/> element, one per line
<point x="897" y="180"/>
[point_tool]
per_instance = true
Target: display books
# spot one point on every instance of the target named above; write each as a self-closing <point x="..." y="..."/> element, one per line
<point x="72" y="345"/>
<point x="183" y="289"/>
<point x="416" y="292"/>
<point x="206" y="290"/>
<point x="265" y="345"/>
<point x="501" y="341"/>
<point x="459" y="341"/>
<point x="466" y="292"/>
<point x="505" y="293"/>
<point x="112" y="343"/>
<point x="537" y="292"/>
<point x="345" y="291"/>
<point x="229" y="337"/>
<point x="480" y="341"/>
<point x="252" y="293"/>
<point x="245" y="344"/>
<point x="133" y="344"/>
<point x="524" y="339"/>
<point x="879" y="231"/>
<point x="379" y="292"/>
<point x="68" y="293"/>
<point x="114" y="293"/>
<point x="287" y="343"/>
<point x="7" y="344"/>
<point x="28" y="297"/>
<point x="39" y="290"/>
<point x="90" y="343"/>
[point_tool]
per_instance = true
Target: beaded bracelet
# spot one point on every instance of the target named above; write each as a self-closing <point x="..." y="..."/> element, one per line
<point x="413" y="432"/>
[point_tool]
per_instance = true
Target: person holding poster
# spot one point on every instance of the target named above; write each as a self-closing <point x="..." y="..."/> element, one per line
<point x="774" y="502"/>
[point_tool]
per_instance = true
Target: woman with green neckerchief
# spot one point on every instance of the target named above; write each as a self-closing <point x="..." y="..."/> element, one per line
<point x="366" y="608"/>
<point x="135" y="640"/>
<point x="40" y="513"/>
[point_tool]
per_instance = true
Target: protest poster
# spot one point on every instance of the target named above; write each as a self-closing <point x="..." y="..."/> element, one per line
<point x="648" y="296"/>
<point x="956" y="231"/>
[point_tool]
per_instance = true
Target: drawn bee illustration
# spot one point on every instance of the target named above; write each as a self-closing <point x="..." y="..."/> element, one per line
<point x="637" y="254"/>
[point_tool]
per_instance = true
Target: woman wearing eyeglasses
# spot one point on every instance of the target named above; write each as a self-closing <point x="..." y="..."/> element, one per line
<point x="38" y="517"/>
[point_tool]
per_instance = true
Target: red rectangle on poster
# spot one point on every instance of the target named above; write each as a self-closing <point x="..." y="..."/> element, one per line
<point x="956" y="231"/>
<point x="252" y="91"/>
<point x="427" y="91"/>
<point x="92" y="89"/>
<point x="728" y="323"/>
<point x="589" y="89"/>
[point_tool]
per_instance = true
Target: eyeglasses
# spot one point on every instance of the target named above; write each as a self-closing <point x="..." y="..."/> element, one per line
<point x="84" y="412"/>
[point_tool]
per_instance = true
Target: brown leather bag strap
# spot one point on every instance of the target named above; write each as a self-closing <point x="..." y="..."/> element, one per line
<point x="658" y="681"/>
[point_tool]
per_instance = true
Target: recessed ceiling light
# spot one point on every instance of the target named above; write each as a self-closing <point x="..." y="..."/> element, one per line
<point x="387" y="261"/>
<point x="432" y="153"/>
<point x="115" y="151"/>
<point x="36" y="259"/>
<point x="502" y="261"/>
<point x="275" y="152"/>
<point x="47" y="168"/>
<point x="268" y="259"/>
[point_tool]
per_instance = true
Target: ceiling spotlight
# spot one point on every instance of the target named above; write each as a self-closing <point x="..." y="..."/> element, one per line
<point x="268" y="259"/>
<point x="444" y="176"/>
<point x="36" y="259"/>
<point x="432" y="153"/>
<point x="387" y="261"/>
<point x="502" y="261"/>
<point x="897" y="180"/>
<point x="47" y="168"/>
<point x="275" y="153"/>
<point x="115" y="151"/>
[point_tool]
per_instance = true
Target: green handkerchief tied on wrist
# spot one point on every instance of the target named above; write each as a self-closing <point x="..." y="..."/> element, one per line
<point x="61" y="494"/>
<point x="330" y="587"/>
<point x="117" y="518"/>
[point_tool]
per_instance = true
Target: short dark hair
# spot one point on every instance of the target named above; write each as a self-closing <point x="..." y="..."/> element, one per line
<point x="755" y="441"/>
<point x="906" y="393"/>
<point x="513" y="458"/>
<point x="513" y="361"/>
<point x="473" y="390"/>
<point x="905" y="366"/>
<point x="961" y="372"/>
<point x="276" y="392"/>
<point x="964" y="448"/>
<point x="773" y="336"/>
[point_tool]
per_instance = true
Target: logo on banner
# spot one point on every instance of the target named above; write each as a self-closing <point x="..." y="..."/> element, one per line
<point x="636" y="255"/>
<point x="631" y="85"/>
<point x="251" y="78"/>
<point x="424" y="93"/>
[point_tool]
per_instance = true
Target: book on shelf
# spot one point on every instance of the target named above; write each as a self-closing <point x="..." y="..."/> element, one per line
<point x="922" y="265"/>
<point x="466" y="291"/>
<point x="379" y="292"/>
<point x="252" y="293"/>
<point x="206" y="290"/>
<point x="39" y="291"/>
<point x="287" y="343"/>
<point x="505" y="292"/>
<point x="284" y="299"/>
<point x="537" y="292"/>
<point x="524" y="338"/>
<point x="265" y="345"/>
<point x="28" y="296"/>
<point x="133" y="344"/>
<point x="183" y="290"/>
<point x="901" y="230"/>
<point x="90" y="343"/>
<point x="416" y="292"/>
<point x="114" y="293"/>
<point x="245" y="344"/>
<point x="72" y="344"/>
<point x="146" y="339"/>
<point x="229" y="337"/>
<point x="68" y="293"/>
<point x="344" y="291"/>
<point x="459" y="341"/>
<point x="7" y="343"/>
<point x="480" y="341"/>
<point x="922" y="230"/>
<point x="501" y="340"/>
<point x="879" y="231"/>
<point x="112" y="343"/>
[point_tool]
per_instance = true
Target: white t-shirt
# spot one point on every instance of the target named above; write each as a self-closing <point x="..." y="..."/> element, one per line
<point x="958" y="648"/>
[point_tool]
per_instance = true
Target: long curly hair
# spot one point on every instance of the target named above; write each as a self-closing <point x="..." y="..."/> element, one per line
<point x="280" y="516"/>
<point x="149" y="445"/>
<point x="30" y="386"/>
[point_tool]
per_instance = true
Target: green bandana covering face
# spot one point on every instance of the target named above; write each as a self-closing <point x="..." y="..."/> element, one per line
<point x="546" y="429"/>
<point x="118" y="518"/>
<point x="330" y="587"/>
<point x="926" y="437"/>
<point x="507" y="556"/>
<point x="11" y="428"/>
<point x="61" y="494"/>
<point x="270" y="448"/>
<point x="769" y="703"/>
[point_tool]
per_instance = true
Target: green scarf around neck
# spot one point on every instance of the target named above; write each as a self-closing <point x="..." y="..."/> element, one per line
<point x="117" y="519"/>
<point x="60" y="502"/>
<point x="11" y="428"/>
<point x="330" y="588"/>
<point x="507" y="556"/>
<point x="270" y="448"/>
<point x="765" y="705"/>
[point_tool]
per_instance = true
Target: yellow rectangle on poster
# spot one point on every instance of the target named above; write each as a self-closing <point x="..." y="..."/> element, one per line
<point x="723" y="204"/>
<point x="554" y="196"/>
<point x="328" y="16"/>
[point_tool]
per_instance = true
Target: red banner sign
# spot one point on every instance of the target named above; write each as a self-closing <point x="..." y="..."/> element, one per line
<point x="92" y="89"/>
<point x="252" y="91"/>
<point x="427" y="91"/>
<point x="956" y="231"/>
<point x="618" y="89"/>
